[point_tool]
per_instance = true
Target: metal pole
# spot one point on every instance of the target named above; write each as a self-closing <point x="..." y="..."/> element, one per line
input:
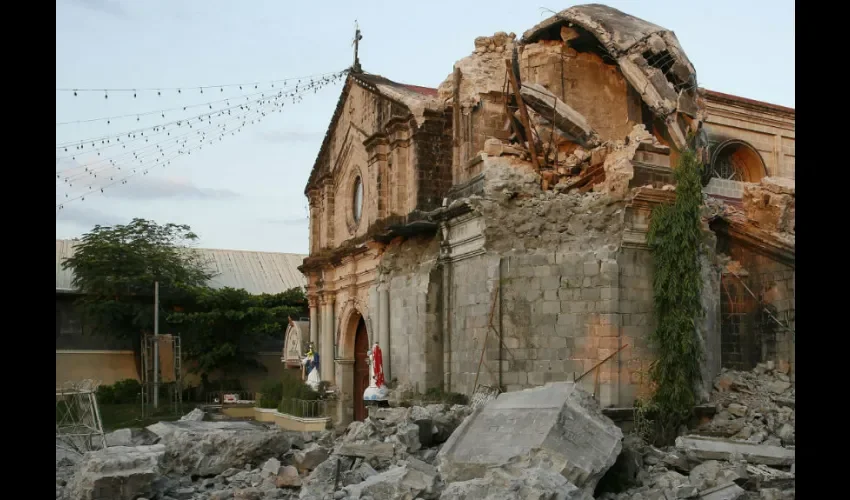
<point x="156" y="344"/>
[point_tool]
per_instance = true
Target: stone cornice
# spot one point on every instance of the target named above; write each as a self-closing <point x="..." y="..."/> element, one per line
<point x="712" y="96"/>
<point x="755" y="238"/>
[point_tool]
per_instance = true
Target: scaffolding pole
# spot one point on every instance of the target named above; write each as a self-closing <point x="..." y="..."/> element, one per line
<point x="156" y="344"/>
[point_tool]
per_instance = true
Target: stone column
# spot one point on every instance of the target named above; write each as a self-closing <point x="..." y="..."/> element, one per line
<point x="446" y="290"/>
<point x="326" y="345"/>
<point x="384" y="328"/>
<point x="314" y="322"/>
<point x="345" y="386"/>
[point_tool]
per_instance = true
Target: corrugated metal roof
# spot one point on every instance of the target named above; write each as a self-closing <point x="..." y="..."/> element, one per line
<point x="256" y="272"/>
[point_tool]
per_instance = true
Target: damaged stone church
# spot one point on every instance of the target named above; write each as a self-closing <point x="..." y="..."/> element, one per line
<point x="492" y="231"/>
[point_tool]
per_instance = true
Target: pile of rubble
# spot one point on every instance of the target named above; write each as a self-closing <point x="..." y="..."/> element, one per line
<point x="756" y="407"/>
<point x="746" y="451"/>
<point x="550" y="442"/>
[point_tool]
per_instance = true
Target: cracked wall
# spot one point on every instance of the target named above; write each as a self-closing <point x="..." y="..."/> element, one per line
<point x="571" y="294"/>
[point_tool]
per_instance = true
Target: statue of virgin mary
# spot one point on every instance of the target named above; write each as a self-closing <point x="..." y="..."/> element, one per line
<point x="311" y="367"/>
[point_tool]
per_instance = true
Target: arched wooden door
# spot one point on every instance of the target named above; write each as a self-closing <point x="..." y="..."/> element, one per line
<point x="361" y="369"/>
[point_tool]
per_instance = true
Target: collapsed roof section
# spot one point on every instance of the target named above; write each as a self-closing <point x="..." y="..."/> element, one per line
<point x="649" y="56"/>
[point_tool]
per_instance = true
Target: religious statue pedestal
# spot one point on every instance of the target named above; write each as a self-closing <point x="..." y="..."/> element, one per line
<point x="377" y="392"/>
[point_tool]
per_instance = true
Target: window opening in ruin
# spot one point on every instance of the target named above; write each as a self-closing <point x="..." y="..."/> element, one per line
<point x="357" y="204"/>
<point x="726" y="168"/>
<point x="664" y="62"/>
<point x="735" y="162"/>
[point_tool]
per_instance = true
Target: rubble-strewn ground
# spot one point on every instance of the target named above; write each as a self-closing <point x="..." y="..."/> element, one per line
<point x="756" y="408"/>
<point x="394" y="455"/>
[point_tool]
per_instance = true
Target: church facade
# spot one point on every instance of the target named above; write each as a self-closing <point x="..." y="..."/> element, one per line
<point x="492" y="231"/>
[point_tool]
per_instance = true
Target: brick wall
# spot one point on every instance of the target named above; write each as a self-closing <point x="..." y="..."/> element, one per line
<point x="433" y="153"/>
<point x="585" y="82"/>
<point x="749" y="334"/>
<point x="725" y="188"/>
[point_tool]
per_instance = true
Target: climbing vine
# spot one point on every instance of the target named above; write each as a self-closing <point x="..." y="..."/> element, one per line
<point x="674" y="240"/>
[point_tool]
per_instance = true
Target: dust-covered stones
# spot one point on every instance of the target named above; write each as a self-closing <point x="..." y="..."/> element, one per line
<point x="557" y="427"/>
<point x="529" y="484"/>
<point x="118" y="473"/>
<point x="207" y="452"/>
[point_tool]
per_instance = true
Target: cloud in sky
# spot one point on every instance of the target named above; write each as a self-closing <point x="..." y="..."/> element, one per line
<point x="288" y="136"/>
<point x="157" y="188"/>
<point x="111" y="7"/>
<point x="139" y="186"/>
<point x="86" y="217"/>
<point x="288" y="221"/>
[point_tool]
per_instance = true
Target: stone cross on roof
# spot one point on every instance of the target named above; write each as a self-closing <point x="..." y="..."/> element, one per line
<point x="357" y="37"/>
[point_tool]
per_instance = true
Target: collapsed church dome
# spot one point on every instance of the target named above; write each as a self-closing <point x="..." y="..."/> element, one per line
<point x="649" y="57"/>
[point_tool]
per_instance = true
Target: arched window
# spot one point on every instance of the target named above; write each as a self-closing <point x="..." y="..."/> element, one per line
<point x="736" y="161"/>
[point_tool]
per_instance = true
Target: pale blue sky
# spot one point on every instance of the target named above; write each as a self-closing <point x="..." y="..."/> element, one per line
<point x="246" y="191"/>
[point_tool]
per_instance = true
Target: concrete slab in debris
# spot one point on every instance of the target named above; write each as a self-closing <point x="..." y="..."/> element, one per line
<point x="163" y="429"/>
<point x="120" y="473"/>
<point x="700" y="448"/>
<point x="366" y="450"/>
<point x="566" y="119"/>
<point x="557" y="426"/>
<point x="728" y="491"/>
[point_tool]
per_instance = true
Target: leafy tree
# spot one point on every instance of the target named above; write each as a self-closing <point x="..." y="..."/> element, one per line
<point x="220" y="328"/>
<point x="115" y="268"/>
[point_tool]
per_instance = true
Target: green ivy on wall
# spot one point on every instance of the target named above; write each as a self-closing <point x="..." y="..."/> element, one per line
<point x="674" y="240"/>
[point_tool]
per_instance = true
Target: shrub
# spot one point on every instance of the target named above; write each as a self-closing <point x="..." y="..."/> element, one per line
<point x="300" y="407"/>
<point x="292" y="387"/>
<point x="271" y="393"/>
<point x="122" y="392"/>
<point x="297" y="398"/>
<point x="127" y="390"/>
<point x="106" y="395"/>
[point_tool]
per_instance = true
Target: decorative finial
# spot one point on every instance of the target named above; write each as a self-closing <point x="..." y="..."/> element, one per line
<point x="357" y="37"/>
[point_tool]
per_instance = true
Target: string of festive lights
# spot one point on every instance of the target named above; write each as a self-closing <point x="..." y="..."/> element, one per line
<point x="92" y="169"/>
<point x="181" y="135"/>
<point x="145" y="165"/>
<point x="151" y="133"/>
<point x="123" y="180"/>
<point x="296" y="94"/>
<point x="166" y="142"/>
<point x="324" y="78"/>
<point x="180" y="90"/>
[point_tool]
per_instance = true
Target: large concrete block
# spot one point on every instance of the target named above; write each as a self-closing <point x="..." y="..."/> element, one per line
<point x="120" y="473"/>
<point x="557" y="426"/>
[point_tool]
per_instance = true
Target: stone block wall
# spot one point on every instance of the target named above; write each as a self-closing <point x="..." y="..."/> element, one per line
<point x="559" y="314"/>
<point x="473" y="280"/>
<point x="414" y="285"/>
<point x="637" y="320"/>
<point x="725" y="188"/>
